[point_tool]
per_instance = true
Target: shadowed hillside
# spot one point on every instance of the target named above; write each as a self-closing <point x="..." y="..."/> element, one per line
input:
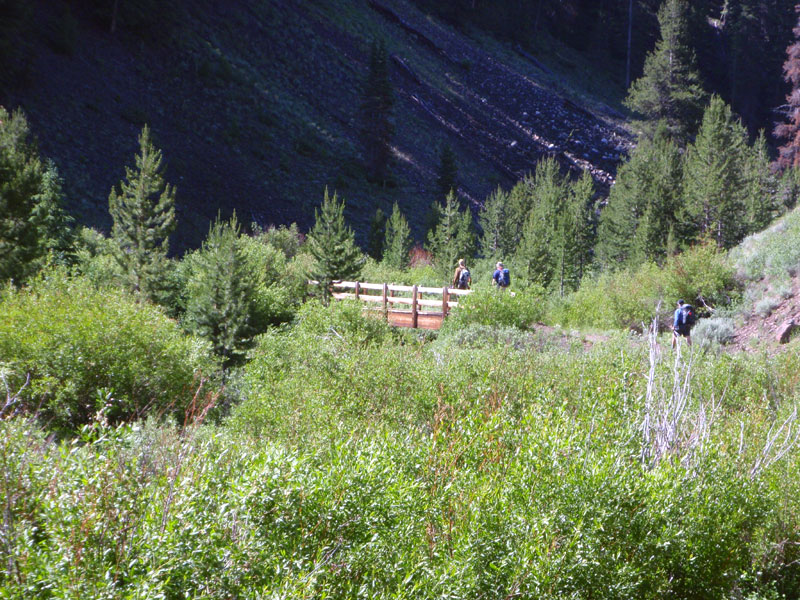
<point x="254" y="105"/>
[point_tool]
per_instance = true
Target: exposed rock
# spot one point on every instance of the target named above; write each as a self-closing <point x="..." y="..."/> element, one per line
<point x="785" y="331"/>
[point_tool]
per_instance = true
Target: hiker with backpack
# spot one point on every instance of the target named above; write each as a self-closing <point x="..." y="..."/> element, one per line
<point x="682" y="322"/>
<point x="461" y="278"/>
<point x="501" y="277"/>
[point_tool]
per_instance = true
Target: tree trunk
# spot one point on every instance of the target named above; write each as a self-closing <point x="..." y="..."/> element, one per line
<point x="628" y="59"/>
<point x="114" y="11"/>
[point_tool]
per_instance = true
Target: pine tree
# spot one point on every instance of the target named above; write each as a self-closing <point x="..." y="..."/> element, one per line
<point x="376" y="127"/>
<point x="641" y="212"/>
<point x="453" y="237"/>
<point x="557" y="236"/>
<point x="221" y="293"/>
<point x="447" y="171"/>
<point x="377" y="235"/>
<point x="579" y="229"/>
<point x="539" y="246"/>
<point x="31" y="220"/>
<point x="519" y="205"/>
<point x="332" y="245"/>
<point x="761" y="187"/>
<point x="789" y="153"/>
<point x="533" y="255"/>
<point x="143" y="210"/>
<point x="398" y="240"/>
<point x="714" y="182"/>
<point x="492" y="220"/>
<point x="670" y="88"/>
<point x="788" y="188"/>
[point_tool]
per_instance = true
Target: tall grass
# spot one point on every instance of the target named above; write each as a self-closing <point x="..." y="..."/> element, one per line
<point x="773" y="252"/>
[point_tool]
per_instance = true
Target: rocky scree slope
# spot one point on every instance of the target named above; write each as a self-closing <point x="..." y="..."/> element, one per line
<point x="254" y="104"/>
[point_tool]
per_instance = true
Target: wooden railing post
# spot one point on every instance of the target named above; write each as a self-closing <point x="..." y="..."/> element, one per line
<point x="414" y="313"/>
<point x="444" y="302"/>
<point x="358" y="289"/>
<point x="386" y="301"/>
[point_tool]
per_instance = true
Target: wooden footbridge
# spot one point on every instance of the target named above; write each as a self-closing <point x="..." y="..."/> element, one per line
<point x="422" y="307"/>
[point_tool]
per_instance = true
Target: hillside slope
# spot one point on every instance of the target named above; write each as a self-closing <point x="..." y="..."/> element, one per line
<point x="768" y="265"/>
<point x="254" y="105"/>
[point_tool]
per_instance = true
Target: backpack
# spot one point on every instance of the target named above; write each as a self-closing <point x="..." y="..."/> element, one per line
<point x="505" y="278"/>
<point x="463" y="279"/>
<point x="687" y="317"/>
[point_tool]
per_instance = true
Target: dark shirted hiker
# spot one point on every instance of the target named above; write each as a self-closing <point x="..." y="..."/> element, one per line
<point x="682" y="322"/>
<point x="461" y="278"/>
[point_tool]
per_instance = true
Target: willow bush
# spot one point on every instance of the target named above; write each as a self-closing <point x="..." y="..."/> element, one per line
<point x="86" y="350"/>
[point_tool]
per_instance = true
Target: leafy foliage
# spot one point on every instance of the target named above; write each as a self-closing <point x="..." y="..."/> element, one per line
<point x="628" y="298"/>
<point x="489" y="306"/>
<point x="88" y="350"/>
<point x="359" y="464"/>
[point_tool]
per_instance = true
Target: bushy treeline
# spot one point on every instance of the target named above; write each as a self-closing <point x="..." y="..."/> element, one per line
<point x="358" y="466"/>
<point x="238" y="284"/>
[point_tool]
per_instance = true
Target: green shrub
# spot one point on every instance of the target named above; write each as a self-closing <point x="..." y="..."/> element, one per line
<point x="765" y="306"/>
<point x="715" y="331"/>
<point x="627" y="299"/>
<point x="279" y="290"/>
<point x="700" y="272"/>
<point x="499" y="308"/>
<point x="488" y="336"/>
<point x="344" y="320"/>
<point x="88" y="349"/>
<point x="359" y="467"/>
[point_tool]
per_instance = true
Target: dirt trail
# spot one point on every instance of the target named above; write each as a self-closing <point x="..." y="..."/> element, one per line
<point x="762" y="332"/>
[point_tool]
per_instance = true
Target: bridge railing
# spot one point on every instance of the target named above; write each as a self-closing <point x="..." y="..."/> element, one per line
<point x="427" y="306"/>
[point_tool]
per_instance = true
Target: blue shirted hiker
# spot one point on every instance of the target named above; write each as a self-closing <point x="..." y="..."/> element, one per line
<point x="682" y="322"/>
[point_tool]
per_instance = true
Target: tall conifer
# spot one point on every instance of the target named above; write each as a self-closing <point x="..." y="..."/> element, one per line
<point x="714" y="181"/>
<point x="670" y="89"/>
<point x="761" y="187"/>
<point x="332" y="245"/>
<point x="492" y="219"/>
<point x="221" y="292"/>
<point x="31" y="219"/>
<point x="143" y="210"/>
<point x="539" y="244"/>
<point x="519" y="205"/>
<point x="377" y="235"/>
<point x="398" y="240"/>
<point x="447" y="171"/>
<point x="641" y="212"/>
<point x="376" y="127"/>
<point x="453" y="237"/>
